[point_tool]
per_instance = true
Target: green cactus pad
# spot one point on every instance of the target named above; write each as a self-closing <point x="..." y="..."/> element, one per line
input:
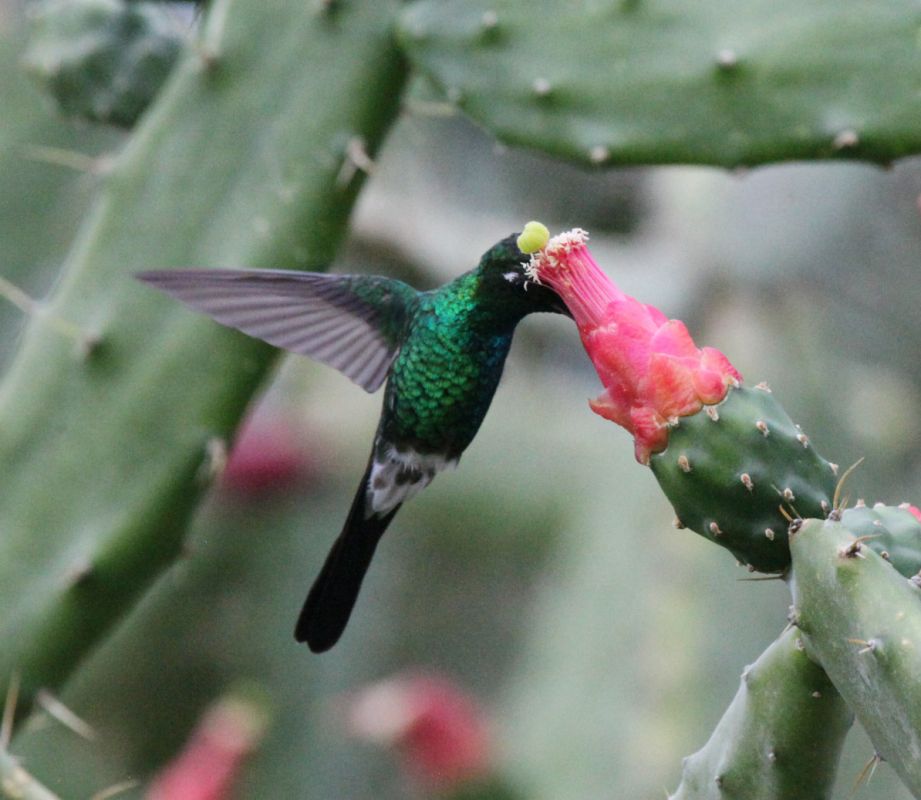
<point x="730" y="469"/>
<point x="861" y="620"/>
<point x="103" y="60"/>
<point x="635" y="81"/>
<point x="245" y="160"/>
<point x="780" y="738"/>
<point x="893" y="532"/>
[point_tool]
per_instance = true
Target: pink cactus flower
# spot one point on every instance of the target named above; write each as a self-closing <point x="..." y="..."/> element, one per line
<point x="267" y="456"/>
<point x="437" y="728"/>
<point x="651" y="369"/>
<point x="210" y="764"/>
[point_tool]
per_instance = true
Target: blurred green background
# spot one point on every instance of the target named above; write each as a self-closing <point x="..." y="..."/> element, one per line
<point x="544" y="575"/>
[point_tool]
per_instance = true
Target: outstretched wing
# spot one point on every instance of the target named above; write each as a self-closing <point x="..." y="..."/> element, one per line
<point x="351" y="322"/>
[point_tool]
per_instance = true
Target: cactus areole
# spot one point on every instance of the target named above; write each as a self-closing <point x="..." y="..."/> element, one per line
<point x="729" y="458"/>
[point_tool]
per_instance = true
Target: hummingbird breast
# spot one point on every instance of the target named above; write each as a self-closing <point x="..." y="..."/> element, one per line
<point x="444" y="378"/>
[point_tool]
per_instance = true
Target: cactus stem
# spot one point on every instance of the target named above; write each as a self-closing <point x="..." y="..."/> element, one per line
<point x="683" y="463"/>
<point x="55" y="709"/>
<point x="762" y="426"/>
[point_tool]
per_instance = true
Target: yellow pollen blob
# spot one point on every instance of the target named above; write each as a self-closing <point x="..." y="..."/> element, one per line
<point x="533" y="238"/>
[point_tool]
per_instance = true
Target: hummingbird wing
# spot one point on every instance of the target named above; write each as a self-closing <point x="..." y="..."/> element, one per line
<point x="354" y="323"/>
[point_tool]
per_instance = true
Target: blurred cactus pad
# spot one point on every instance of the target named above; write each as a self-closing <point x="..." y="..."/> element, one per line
<point x="404" y="139"/>
<point x="639" y="81"/>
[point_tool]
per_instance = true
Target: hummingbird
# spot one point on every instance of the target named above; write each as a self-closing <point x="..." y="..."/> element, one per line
<point x="441" y="353"/>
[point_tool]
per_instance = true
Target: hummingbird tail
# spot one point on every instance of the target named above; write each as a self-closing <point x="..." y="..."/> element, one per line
<point x="333" y="594"/>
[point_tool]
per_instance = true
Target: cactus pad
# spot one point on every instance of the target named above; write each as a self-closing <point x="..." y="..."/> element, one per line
<point x="780" y="738"/>
<point x="103" y="60"/>
<point x="729" y="470"/>
<point x="635" y="81"/>
<point x="862" y="621"/>
<point x="893" y="532"/>
<point x="105" y="454"/>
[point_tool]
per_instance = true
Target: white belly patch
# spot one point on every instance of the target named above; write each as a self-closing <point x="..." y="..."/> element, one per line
<point x="400" y="477"/>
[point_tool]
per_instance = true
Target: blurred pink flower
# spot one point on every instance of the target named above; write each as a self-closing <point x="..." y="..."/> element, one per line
<point x="209" y="764"/>
<point x="268" y="454"/>
<point x="651" y="369"/>
<point x="436" y="727"/>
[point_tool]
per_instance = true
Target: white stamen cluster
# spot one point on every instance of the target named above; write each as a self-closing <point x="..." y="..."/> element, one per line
<point x="555" y="252"/>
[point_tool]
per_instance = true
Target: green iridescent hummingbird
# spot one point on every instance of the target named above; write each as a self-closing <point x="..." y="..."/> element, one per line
<point x="441" y="352"/>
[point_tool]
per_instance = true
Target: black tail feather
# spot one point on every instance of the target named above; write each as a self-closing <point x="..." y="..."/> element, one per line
<point x="333" y="594"/>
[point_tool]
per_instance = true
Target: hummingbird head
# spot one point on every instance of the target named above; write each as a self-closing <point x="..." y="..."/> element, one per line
<point x="503" y="279"/>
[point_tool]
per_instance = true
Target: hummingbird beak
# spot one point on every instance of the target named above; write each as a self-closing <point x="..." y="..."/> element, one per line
<point x="559" y="307"/>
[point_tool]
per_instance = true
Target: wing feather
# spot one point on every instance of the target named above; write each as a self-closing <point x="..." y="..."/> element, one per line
<point x="350" y="322"/>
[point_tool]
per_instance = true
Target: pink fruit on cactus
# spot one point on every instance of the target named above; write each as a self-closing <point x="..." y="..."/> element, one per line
<point x="652" y="371"/>
<point x="437" y="728"/>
